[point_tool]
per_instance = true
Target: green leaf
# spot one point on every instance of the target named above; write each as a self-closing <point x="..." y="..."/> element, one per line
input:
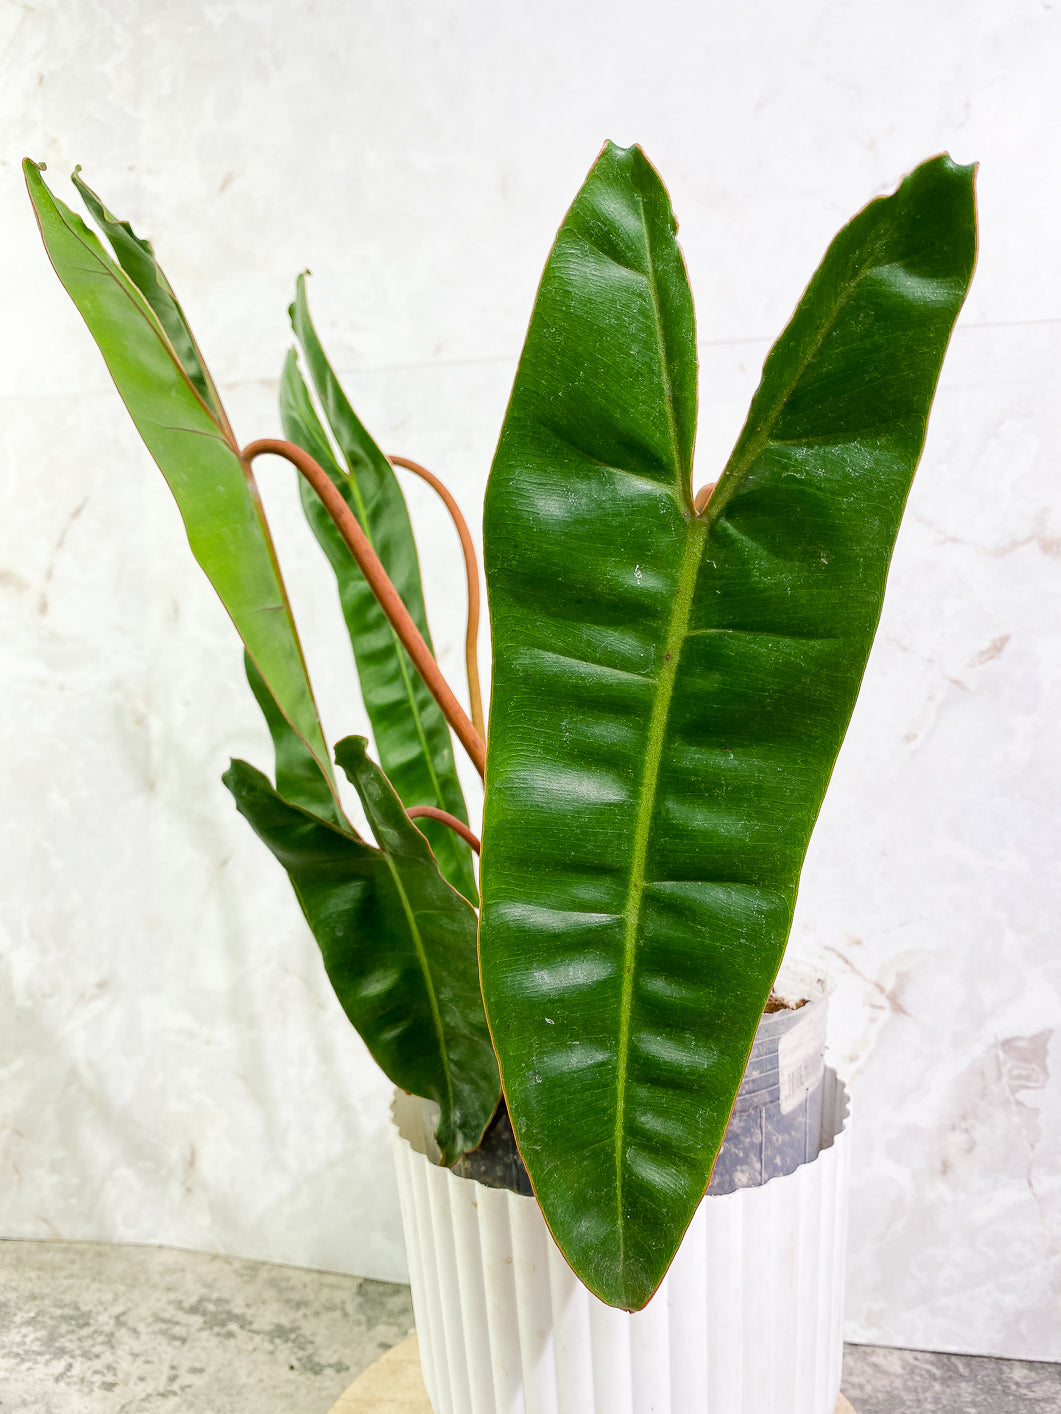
<point x="298" y="775"/>
<point x="670" y="690"/>
<point x="137" y="259"/>
<point x="195" y="452"/>
<point x="398" y="942"/>
<point x="410" y="732"/>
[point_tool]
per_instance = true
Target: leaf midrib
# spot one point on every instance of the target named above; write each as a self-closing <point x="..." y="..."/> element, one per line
<point x="676" y="629"/>
<point x="696" y="538"/>
<point x="661" y="345"/>
<point x="429" y="982"/>
<point x="740" y="462"/>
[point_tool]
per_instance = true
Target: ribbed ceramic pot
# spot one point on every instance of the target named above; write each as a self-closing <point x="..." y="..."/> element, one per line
<point x="747" y="1321"/>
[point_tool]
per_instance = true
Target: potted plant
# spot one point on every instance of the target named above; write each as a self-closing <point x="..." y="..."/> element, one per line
<point x="674" y="668"/>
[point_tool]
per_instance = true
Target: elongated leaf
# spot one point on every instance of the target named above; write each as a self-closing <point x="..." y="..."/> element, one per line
<point x="222" y="515"/>
<point x="137" y="259"/>
<point x="398" y="942"/>
<point x="411" y="734"/>
<point x="298" y="776"/>
<point x="670" y="690"/>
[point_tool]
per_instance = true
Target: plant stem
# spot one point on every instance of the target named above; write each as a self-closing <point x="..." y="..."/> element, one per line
<point x="387" y="596"/>
<point x="471" y="568"/>
<point x="431" y="812"/>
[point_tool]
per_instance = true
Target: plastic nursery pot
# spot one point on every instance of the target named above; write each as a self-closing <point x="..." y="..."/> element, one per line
<point x="776" y="1120"/>
<point x="747" y="1321"/>
<point x="777" y="1116"/>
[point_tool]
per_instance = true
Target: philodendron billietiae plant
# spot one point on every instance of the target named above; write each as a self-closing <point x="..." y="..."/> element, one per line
<point x="673" y="672"/>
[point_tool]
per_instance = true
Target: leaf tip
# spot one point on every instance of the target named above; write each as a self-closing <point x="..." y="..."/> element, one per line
<point x="300" y="298"/>
<point x="40" y="195"/>
<point x="944" y="165"/>
<point x="234" y="764"/>
<point x="351" y="755"/>
<point x="232" y="780"/>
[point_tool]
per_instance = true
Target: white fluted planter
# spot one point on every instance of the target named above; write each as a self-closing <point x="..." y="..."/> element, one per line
<point x="747" y="1321"/>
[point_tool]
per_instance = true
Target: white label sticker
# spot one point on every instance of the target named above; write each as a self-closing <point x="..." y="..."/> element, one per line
<point x="799" y="1060"/>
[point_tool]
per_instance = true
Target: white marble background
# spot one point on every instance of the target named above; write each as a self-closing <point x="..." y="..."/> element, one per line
<point x="173" y="1067"/>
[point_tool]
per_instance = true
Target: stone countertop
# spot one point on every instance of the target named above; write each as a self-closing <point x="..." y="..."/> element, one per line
<point x="88" y="1328"/>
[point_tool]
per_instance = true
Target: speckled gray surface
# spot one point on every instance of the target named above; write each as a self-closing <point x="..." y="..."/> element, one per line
<point x="882" y="1381"/>
<point x="93" y="1329"/>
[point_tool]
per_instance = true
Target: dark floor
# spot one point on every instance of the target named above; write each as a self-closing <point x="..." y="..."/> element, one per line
<point x="93" y="1329"/>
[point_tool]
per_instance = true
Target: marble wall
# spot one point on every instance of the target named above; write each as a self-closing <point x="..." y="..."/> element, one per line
<point x="173" y="1067"/>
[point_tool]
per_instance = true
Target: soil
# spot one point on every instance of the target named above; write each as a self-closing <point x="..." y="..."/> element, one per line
<point x="776" y="1003"/>
<point x="497" y="1162"/>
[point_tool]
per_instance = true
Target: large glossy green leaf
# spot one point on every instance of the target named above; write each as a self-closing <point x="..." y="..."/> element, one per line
<point x="398" y="942"/>
<point x="191" y="444"/>
<point x="670" y="689"/>
<point x="411" y="734"/>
